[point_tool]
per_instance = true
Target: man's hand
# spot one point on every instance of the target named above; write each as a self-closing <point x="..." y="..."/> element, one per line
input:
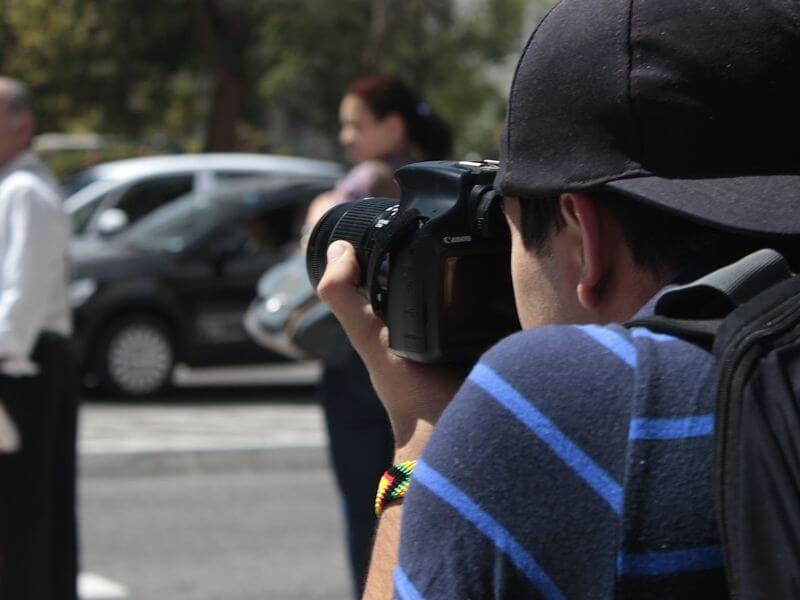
<point x="414" y="394"/>
<point x="9" y="436"/>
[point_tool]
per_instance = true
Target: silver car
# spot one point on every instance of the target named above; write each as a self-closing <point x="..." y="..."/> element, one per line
<point x="103" y="200"/>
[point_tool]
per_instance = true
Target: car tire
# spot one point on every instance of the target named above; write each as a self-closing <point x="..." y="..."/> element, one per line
<point x="136" y="357"/>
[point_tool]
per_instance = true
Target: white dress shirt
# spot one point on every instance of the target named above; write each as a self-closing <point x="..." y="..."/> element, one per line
<point x="34" y="238"/>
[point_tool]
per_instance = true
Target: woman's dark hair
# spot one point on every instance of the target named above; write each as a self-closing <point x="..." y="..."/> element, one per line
<point x="385" y="95"/>
<point x="660" y="241"/>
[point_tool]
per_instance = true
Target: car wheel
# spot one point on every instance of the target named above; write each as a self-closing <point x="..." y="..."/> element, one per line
<point x="136" y="357"/>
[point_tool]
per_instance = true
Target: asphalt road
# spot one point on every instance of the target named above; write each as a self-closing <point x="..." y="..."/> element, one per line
<point x="240" y="536"/>
<point x="211" y="493"/>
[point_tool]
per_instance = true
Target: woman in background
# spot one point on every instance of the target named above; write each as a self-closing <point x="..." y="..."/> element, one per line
<point x="384" y="125"/>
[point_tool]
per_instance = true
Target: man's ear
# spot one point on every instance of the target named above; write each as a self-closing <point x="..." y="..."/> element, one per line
<point x="25" y="126"/>
<point x="587" y="221"/>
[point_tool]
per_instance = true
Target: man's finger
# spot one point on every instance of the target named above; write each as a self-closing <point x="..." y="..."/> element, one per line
<point x="338" y="288"/>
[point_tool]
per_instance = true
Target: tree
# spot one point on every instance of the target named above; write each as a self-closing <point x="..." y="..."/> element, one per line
<point x="226" y="35"/>
<point x="107" y="65"/>
<point x="440" y="53"/>
<point x="253" y="74"/>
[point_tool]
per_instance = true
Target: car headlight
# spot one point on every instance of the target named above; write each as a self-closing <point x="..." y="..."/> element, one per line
<point x="80" y="291"/>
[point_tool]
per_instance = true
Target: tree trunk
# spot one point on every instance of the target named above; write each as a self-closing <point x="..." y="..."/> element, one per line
<point x="226" y="108"/>
<point x="224" y="39"/>
<point x="372" y="55"/>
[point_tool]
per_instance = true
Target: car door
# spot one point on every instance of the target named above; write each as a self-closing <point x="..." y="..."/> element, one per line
<point x="217" y="283"/>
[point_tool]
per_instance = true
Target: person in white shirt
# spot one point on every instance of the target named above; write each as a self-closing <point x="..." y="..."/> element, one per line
<point x="38" y="539"/>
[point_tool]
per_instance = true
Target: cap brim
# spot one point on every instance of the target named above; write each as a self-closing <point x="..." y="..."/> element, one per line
<point x="758" y="205"/>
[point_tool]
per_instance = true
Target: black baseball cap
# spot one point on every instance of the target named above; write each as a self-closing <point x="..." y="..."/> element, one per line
<point x="692" y="105"/>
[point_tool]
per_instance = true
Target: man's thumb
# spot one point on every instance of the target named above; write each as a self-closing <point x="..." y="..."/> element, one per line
<point x="338" y="288"/>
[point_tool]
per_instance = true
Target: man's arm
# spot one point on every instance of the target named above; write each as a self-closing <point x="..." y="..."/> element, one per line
<point x="384" y="554"/>
<point x="387" y="537"/>
<point x="413" y="394"/>
<point x="26" y="268"/>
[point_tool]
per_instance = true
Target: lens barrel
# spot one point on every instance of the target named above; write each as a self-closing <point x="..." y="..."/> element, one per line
<point x="354" y="222"/>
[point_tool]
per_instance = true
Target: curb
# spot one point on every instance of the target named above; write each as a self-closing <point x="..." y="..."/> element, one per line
<point x="187" y="462"/>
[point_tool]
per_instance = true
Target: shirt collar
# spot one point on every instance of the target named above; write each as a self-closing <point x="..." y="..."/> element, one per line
<point x="26" y="160"/>
<point x="649" y="308"/>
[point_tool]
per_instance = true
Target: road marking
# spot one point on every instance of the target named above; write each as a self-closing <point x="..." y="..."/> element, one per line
<point x="97" y="587"/>
<point x="192" y="446"/>
<point x="288" y="373"/>
<point x="231" y="426"/>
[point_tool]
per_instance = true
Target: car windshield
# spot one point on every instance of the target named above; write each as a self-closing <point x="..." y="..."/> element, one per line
<point x="78" y="181"/>
<point x="177" y="225"/>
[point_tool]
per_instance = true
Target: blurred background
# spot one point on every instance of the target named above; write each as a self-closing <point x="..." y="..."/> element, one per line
<point x="125" y="77"/>
<point x="204" y="464"/>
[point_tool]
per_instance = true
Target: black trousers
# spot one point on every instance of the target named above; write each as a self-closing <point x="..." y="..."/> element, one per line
<point x="361" y="446"/>
<point x="38" y="524"/>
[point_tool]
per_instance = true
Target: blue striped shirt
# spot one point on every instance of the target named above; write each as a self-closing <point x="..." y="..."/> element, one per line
<point x="575" y="462"/>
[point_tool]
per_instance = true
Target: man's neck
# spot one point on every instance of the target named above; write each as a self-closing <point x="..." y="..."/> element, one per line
<point x="10" y="162"/>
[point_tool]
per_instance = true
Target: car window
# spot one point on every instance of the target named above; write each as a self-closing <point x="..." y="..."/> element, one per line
<point x="256" y="242"/>
<point x="144" y="198"/>
<point x="78" y="181"/>
<point x="180" y="224"/>
<point x="235" y="175"/>
<point x="273" y="231"/>
<point x="83" y="215"/>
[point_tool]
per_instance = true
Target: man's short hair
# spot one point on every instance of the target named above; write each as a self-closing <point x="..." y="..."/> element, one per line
<point x="660" y="241"/>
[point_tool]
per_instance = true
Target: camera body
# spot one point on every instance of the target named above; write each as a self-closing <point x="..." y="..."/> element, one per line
<point x="436" y="264"/>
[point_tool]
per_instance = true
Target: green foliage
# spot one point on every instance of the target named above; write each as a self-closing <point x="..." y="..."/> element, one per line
<point x="169" y="72"/>
<point x="306" y="57"/>
<point x="451" y="60"/>
<point x="97" y="65"/>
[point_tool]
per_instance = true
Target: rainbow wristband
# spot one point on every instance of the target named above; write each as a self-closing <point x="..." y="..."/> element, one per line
<point x="394" y="484"/>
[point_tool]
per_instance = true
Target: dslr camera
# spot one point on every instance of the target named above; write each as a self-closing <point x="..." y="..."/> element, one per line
<point x="435" y="264"/>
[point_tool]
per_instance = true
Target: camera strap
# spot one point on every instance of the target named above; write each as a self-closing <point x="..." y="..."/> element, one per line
<point x="385" y="240"/>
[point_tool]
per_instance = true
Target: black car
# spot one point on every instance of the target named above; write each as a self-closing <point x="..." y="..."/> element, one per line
<point x="175" y="286"/>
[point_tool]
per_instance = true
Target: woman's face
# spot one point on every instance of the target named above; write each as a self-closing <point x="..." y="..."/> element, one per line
<point x="366" y="137"/>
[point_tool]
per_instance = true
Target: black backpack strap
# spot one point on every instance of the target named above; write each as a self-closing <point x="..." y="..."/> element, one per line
<point x="695" y="311"/>
<point x="718" y="293"/>
<point x="700" y="332"/>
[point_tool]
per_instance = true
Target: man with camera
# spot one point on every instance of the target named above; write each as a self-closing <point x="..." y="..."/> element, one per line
<point x="646" y="143"/>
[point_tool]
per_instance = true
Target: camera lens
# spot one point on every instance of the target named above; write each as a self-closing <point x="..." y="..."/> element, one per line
<point x="354" y="222"/>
